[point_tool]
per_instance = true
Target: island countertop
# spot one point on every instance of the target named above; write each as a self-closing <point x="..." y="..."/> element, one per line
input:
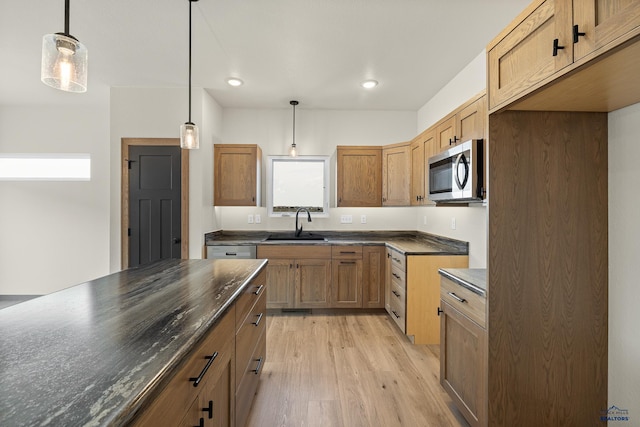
<point x="91" y="354"/>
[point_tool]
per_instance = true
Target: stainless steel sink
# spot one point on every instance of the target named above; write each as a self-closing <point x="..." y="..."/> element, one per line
<point x="291" y="236"/>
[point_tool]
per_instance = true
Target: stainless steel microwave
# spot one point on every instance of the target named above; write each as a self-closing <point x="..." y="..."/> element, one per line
<point x="456" y="175"/>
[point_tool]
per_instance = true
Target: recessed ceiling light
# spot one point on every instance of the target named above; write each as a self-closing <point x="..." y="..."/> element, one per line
<point x="234" y="81"/>
<point x="369" y="84"/>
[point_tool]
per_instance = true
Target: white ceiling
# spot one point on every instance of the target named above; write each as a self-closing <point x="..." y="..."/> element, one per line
<point x="315" y="51"/>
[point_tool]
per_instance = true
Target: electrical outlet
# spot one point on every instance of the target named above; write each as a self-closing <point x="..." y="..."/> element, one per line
<point x="257" y="218"/>
<point x="250" y="219"/>
<point x="363" y="219"/>
<point x="453" y="222"/>
<point x="346" y="219"/>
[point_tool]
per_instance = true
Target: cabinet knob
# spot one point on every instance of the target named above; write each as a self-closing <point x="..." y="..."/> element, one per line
<point x="209" y="409"/>
<point x="577" y="34"/>
<point x="556" y="47"/>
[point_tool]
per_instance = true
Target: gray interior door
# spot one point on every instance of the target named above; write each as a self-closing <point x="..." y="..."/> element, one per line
<point x="154" y="204"/>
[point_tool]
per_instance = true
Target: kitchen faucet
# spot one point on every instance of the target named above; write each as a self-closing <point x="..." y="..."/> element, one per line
<point x="299" y="230"/>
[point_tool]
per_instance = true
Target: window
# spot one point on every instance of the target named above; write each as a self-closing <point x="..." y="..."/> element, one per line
<point x="45" y="167"/>
<point x="298" y="182"/>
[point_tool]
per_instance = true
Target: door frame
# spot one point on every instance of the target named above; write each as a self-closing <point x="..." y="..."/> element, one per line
<point x="124" y="202"/>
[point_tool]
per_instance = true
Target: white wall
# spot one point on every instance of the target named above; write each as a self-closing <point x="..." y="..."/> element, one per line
<point x="158" y="113"/>
<point x="624" y="254"/>
<point x="318" y="132"/>
<point x="54" y="234"/>
<point x="471" y="222"/>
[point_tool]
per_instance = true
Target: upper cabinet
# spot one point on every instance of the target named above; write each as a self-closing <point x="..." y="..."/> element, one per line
<point x="237" y="171"/>
<point x="359" y="181"/>
<point x="553" y="37"/>
<point x="422" y="147"/>
<point x="535" y="49"/>
<point x="396" y="174"/>
<point x="602" y="22"/>
<point x="465" y="123"/>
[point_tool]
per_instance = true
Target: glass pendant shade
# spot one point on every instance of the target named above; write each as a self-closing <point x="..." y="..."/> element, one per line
<point x="189" y="136"/>
<point x="64" y="63"/>
<point x="293" y="151"/>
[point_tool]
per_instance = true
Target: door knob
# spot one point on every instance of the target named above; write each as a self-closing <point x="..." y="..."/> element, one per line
<point x="176" y="240"/>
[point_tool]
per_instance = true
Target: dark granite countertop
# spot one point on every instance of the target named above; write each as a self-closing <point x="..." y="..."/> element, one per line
<point x="474" y="279"/>
<point x="91" y="354"/>
<point x="405" y="242"/>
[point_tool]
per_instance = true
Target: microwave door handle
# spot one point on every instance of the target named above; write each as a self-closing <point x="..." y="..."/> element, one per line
<point x="456" y="175"/>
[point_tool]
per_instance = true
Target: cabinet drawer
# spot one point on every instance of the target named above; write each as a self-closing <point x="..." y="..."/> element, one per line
<point x="250" y="295"/>
<point x="465" y="301"/>
<point x="294" y="251"/>
<point x="249" y="379"/>
<point x="398" y="260"/>
<point x="398" y="293"/>
<point x="398" y="277"/>
<point x="169" y="407"/>
<point x="346" y="252"/>
<point x="252" y="327"/>
<point x="398" y="313"/>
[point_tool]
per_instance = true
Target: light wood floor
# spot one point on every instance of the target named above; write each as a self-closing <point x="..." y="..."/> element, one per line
<point x="348" y="370"/>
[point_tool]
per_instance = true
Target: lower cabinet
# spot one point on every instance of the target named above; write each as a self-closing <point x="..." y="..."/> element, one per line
<point x="298" y="276"/>
<point x="346" y="283"/>
<point x="463" y="351"/>
<point x="251" y="320"/>
<point x="413" y="292"/>
<point x="216" y="384"/>
<point x="373" y="276"/>
<point x="206" y="376"/>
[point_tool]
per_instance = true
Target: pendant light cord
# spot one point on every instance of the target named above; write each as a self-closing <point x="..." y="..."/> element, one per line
<point x="190" y="4"/>
<point x="66" y="17"/>
<point x="294" y="125"/>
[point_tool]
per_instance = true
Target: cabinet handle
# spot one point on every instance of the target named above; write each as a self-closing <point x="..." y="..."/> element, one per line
<point x="257" y="370"/>
<point x="290" y="265"/>
<point x="198" y="379"/>
<point x="556" y="47"/>
<point x="577" y="34"/>
<point x="201" y="422"/>
<point x="230" y="254"/>
<point x="456" y="297"/>
<point x="440" y="311"/>
<point x="395" y="314"/>
<point x="396" y="259"/>
<point x="347" y="252"/>
<point x="347" y="262"/>
<point x="257" y="292"/>
<point x="257" y="322"/>
<point x="209" y="409"/>
<point x="396" y="293"/>
<point x="395" y="275"/>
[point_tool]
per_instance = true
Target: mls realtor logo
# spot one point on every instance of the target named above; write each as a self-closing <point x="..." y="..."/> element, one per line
<point x="615" y="414"/>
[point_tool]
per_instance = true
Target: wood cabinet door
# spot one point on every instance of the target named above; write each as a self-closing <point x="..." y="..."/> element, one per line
<point x="396" y="167"/>
<point x="602" y="21"/>
<point x="430" y="148"/>
<point x="417" y="173"/>
<point x="359" y="176"/>
<point x="280" y="283"/>
<point x="373" y="276"/>
<point x="235" y="171"/>
<point x="470" y="121"/>
<point x="346" y="283"/>
<point x="463" y="364"/>
<point x="524" y="56"/>
<point x="312" y="283"/>
<point x="446" y="133"/>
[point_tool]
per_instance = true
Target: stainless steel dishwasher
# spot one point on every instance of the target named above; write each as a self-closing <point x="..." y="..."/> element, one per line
<point x="230" y="252"/>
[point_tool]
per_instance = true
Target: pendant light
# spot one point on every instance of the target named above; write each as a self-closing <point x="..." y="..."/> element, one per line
<point x="189" y="137"/>
<point x="293" y="151"/>
<point x="64" y="60"/>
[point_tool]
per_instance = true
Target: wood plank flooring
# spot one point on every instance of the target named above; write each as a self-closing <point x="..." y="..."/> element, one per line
<point x="348" y="370"/>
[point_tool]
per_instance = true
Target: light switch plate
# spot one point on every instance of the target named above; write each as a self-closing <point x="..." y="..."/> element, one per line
<point x="250" y="219"/>
<point x="257" y="218"/>
<point x="346" y="219"/>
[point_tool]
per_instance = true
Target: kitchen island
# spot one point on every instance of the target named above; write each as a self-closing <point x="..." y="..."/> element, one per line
<point x="95" y="353"/>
